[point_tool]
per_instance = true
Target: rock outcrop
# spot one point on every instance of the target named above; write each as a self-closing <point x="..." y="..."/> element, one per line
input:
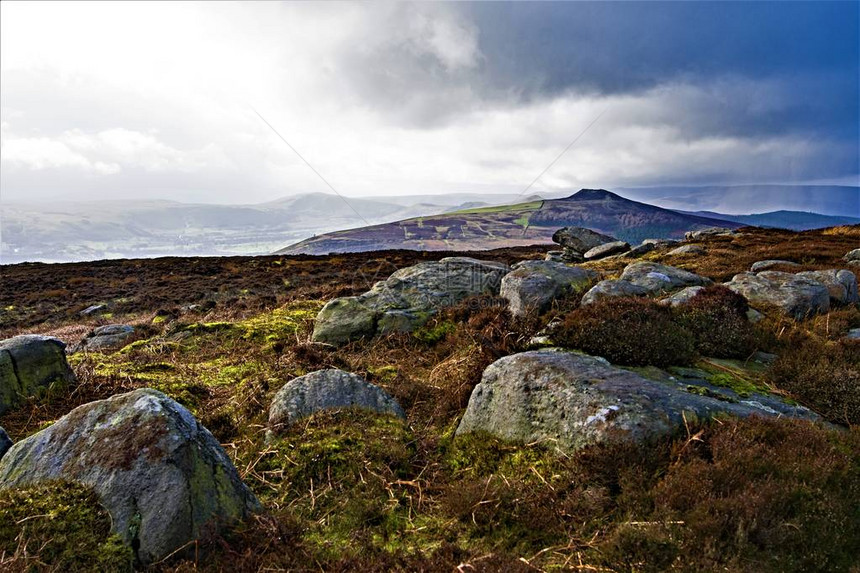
<point x="164" y="479"/>
<point x="571" y="401"/>
<point x="5" y="442"/>
<point x="683" y="296"/>
<point x="29" y="364"/>
<point x="105" y="338"/>
<point x="796" y="296"/>
<point x="533" y="285"/>
<point x="708" y="232"/>
<point x="644" y="278"/>
<point x="577" y="241"/>
<point x="407" y="299"/>
<point x="327" y="390"/>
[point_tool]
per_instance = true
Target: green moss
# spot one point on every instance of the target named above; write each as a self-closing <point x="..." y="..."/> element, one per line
<point x="59" y="525"/>
<point x="433" y="333"/>
<point x="727" y="375"/>
<point x="280" y="323"/>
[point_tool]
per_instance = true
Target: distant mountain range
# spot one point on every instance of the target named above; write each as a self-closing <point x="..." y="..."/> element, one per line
<point x="793" y="220"/>
<point x="528" y="223"/>
<point x="838" y="200"/>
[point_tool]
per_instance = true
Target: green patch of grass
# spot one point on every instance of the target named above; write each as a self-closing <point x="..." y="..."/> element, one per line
<point x="58" y="526"/>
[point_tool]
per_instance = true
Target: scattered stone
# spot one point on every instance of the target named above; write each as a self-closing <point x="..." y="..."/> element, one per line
<point x="104" y="338"/>
<point x="533" y="285"/>
<point x="853" y="255"/>
<point x="688" y="250"/>
<point x="571" y="401"/>
<point x="708" y="232"/>
<point x="660" y="243"/>
<point x="164" y="479"/>
<point x="840" y="283"/>
<point x="407" y="299"/>
<point x="853" y="334"/>
<point x="683" y="296"/>
<point x="796" y="296"/>
<point x="649" y="245"/>
<point x="5" y="442"/>
<point x="327" y="390"/>
<point x="853" y="263"/>
<point x="754" y="316"/>
<point x="580" y="239"/>
<point x="644" y="278"/>
<point x="606" y="250"/>
<point x="770" y="263"/>
<point x="90" y="310"/>
<point x="29" y="364"/>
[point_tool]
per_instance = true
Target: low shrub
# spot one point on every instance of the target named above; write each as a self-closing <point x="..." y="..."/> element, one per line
<point x="822" y="375"/>
<point x="716" y="317"/>
<point x="631" y="331"/>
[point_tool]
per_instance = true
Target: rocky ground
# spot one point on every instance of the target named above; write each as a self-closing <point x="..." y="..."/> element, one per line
<point x="689" y="406"/>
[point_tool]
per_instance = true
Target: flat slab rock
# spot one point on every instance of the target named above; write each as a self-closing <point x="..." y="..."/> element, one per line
<point x="796" y="296"/>
<point x="533" y="285"/>
<point x="770" y="263"/>
<point x="407" y="299"/>
<point x="573" y="400"/>
<point x="28" y="364"/>
<point x="644" y="278"/>
<point x="329" y="389"/>
<point x="164" y="479"/>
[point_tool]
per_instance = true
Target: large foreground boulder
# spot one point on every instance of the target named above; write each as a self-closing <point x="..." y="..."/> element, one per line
<point x="571" y="400"/>
<point x="576" y="241"/>
<point x="796" y="296"/>
<point x="407" y="299"/>
<point x="29" y="364"/>
<point x="644" y="278"/>
<point x="840" y="283"/>
<point x="5" y="442"/>
<point x="105" y="337"/>
<point x="533" y="285"/>
<point x="327" y="390"/>
<point x="164" y="479"/>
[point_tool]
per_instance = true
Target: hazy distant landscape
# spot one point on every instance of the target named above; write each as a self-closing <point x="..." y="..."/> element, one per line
<point x="91" y="230"/>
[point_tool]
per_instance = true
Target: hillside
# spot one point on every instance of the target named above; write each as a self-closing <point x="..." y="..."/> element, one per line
<point x="405" y="489"/>
<point x="520" y="224"/>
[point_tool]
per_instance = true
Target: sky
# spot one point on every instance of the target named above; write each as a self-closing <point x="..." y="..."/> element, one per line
<point x="160" y="100"/>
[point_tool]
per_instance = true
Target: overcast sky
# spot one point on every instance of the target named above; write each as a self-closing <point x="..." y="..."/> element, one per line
<point x="156" y="100"/>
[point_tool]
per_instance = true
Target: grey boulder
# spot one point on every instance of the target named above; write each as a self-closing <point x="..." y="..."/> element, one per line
<point x="840" y="283"/>
<point x="852" y="255"/>
<point x="570" y="401"/>
<point x="327" y="390"/>
<point x="796" y="296"/>
<point x="533" y="285"/>
<point x="407" y="299"/>
<point x="770" y="263"/>
<point x="649" y="245"/>
<point x="606" y="250"/>
<point x="105" y="338"/>
<point x="644" y="278"/>
<point x="5" y="442"/>
<point x="688" y="250"/>
<point x="29" y="364"/>
<point x="853" y="334"/>
<point x="164" y="479"/>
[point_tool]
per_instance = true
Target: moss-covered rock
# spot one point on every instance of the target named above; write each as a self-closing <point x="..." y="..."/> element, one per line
<point x="29" y="365"/>
<point x="162" y="476"/>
